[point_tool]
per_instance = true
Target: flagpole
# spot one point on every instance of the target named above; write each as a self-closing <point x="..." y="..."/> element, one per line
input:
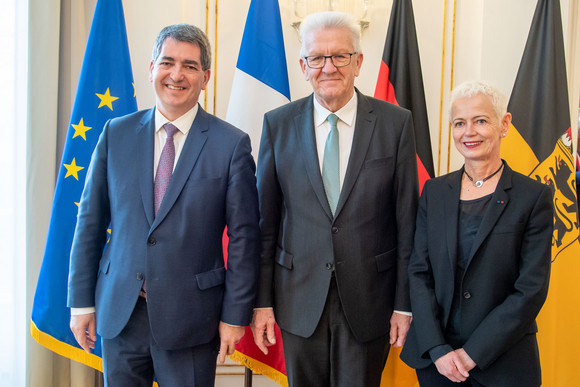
<point x="248" y="378"/>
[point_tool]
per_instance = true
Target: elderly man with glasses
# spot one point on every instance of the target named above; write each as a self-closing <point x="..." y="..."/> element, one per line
<point x="337" y="182"/>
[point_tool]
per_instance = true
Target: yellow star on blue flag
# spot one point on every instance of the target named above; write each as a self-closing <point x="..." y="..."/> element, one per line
<point x="81" y="129"/>
<point x="107" y="99"/>
<point x="72" y="169"/>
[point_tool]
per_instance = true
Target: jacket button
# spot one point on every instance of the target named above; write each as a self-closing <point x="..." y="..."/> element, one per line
<point x="335" y="230"/>
<point x="152" y="241"/>
<point x="329" y="266"/>
<point x="467" y="295"/>
<point x="140" y="276"/>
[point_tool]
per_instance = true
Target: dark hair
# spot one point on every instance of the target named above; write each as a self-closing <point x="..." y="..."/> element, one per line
<point x="184" y="33"/>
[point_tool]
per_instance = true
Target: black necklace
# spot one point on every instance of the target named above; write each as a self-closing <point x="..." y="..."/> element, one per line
<point x="479" y="183"/>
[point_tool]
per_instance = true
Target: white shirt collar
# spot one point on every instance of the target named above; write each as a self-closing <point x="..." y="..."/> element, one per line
<point x="346" y="113"/>
<point x="183" y="123"/>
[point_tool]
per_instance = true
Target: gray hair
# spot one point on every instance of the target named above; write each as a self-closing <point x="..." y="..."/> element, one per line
<point x="472" y="88"/>
<point x="328" y="20"/>
<point x="184" y="33"/>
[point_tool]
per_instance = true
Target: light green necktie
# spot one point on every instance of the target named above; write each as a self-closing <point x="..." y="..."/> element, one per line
<point x="330" y="164"/>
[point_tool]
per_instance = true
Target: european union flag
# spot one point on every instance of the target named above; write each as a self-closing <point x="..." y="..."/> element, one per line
<point x="105" y="90"/>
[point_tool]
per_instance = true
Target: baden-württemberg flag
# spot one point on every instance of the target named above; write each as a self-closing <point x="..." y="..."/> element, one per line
<point x="260" y="85"/>
<point x="105" y="90"/>
<point x="539" y="144"/>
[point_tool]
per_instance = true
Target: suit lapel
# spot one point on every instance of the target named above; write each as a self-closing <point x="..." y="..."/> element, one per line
<point x="499" y="201"/>
<point x="363" y="132"/>
<point x="194" y="143"/>
<point x="304" y="128"/>
<point x="145" y="147"/>
<point x="450" y="215"/>
<point x="451" y="211"/>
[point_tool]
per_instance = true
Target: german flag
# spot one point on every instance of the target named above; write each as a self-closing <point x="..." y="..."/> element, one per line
<point x="539" y="144"/>
<point x="400" y="80"/>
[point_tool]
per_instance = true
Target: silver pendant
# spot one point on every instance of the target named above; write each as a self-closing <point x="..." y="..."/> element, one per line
<point x="478" y="183"/>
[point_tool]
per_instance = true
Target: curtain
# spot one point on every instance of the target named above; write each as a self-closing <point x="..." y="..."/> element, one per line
<point x="57" y="35"/>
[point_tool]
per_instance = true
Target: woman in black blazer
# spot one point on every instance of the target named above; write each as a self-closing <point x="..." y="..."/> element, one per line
<point x="480" y="267"/>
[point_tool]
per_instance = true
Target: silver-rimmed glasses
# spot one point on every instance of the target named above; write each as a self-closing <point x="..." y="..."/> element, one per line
<point x="338" y="60"/>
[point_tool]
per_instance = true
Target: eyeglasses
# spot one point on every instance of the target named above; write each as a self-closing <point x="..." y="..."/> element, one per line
<point x="338" y="60"/>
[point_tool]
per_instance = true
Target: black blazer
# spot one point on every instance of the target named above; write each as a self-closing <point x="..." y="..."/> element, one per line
<point x="504" y="285"/>
<point x="369" y="240"/>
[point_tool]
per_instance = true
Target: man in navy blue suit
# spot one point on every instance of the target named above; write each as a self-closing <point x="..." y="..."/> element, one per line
<point x="167" y="181"/>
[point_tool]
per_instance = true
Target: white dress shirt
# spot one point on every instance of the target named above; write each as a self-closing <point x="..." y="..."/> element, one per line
<point x="183" y="124"/>
<point x="346" y="120"/>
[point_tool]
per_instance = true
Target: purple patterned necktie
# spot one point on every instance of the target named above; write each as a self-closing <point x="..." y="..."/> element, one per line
<point x="165" y="166"/>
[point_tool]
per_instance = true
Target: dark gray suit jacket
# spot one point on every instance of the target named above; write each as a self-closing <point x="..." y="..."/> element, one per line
<point x="179" y="250"/>
<point x="504" y="285"/>
<point x="368" y="242"/>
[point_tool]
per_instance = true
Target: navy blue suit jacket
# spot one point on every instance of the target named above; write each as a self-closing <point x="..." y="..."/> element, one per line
<point x="179" y="251"/>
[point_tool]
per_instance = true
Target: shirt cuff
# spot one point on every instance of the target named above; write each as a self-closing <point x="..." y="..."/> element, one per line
<point x="79" y="311"/>
<point x="231" y="325"/>
<point x="404" y="313"/>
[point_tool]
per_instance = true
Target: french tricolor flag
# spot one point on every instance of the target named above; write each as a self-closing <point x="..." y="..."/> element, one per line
<point x="260" y="84"/>
<point x="261" y="79"/>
